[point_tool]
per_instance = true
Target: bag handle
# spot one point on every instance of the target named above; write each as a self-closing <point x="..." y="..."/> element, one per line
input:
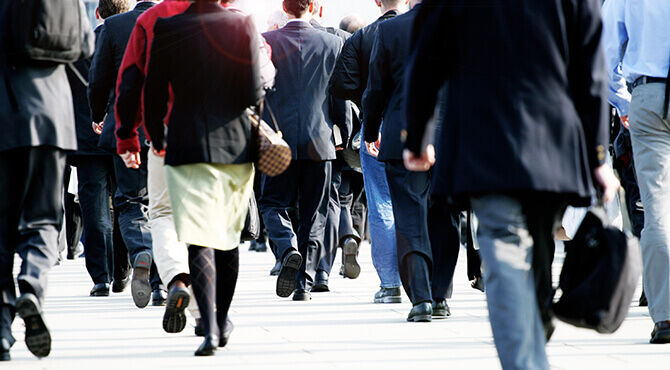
<point x="265" y="104"/>
<point x="77" y="74"/>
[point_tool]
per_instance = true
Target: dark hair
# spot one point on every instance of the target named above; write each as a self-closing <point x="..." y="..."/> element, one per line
<point x="108" y="8"/>
<point x="297" y="7"/>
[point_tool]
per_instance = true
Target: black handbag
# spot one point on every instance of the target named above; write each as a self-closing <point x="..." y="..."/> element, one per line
<point x="252" y="224"/>
<point x="600" y="273"/>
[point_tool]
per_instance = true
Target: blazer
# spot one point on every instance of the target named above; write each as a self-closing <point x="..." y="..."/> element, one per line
<point x="305" y="58"/>
<point x="525" y="107"/>
<point x="384" y="98"/>
<point x="209" y="57"/>
<point x="36" y="102"/>
<point x="351" y="72"/>
<point x="109" y="50"/>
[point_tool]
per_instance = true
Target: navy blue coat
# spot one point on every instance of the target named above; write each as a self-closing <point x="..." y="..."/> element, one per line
<point x="525" y="107"/>
<point x="305" y="59"/>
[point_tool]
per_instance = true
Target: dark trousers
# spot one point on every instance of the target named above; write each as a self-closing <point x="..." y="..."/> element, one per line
<point x="31" y="200"/>
<point x="633" y="201"/>
<point x="350" y="190"/>
<point x="359" y="207"/>
<point x="409" y="194"/>
<point x="131" y="201"/>
<point x="105" y="251"/>
<point x="474" y="260"/>
<point x="73" y="220"/>
<point x="445" y="241"/>
<point x="306" y="186"/>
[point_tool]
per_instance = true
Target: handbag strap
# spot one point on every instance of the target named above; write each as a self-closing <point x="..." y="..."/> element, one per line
<point x="265" y="104"/>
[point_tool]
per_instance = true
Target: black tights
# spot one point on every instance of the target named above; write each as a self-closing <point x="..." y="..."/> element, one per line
<point x="213" y="276"/>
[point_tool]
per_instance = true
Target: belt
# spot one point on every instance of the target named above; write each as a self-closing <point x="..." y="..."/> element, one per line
<point x="648" y="80"/>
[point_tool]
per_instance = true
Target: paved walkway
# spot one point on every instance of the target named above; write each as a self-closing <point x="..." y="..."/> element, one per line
<point x="341" y="329"/>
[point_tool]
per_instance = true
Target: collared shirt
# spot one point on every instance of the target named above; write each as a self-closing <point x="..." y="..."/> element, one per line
<point x="641" y="27"/>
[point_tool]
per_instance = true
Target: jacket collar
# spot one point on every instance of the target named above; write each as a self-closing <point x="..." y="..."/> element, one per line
<point x="297" y="24"/>
<point x="144" y="5"/>
<point x="204" y="7"/>
<point x="389" y="14"/>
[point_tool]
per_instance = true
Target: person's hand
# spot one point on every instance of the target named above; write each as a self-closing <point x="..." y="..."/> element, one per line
<point x="131" y="159"/>
<point x="606" y="182"/>
<point x="339" y="147"/>
<point x="625" y="123"/>
<point x="97" y="127"/>
<point x="422" y="163"/>
<point x="372" y="149"/>
<point x="158" y="153"/>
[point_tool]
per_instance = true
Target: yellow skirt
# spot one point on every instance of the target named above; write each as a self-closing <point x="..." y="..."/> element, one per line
<point x="210" y="202"/>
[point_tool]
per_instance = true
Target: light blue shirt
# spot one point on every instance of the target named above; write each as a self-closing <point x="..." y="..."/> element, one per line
<point x="636" y="38"/>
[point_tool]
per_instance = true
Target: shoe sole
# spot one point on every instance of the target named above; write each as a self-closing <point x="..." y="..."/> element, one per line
<point x="303" y="298"/>
<point x="287" y="275"/>
<point x="100" y="294"/>
<point x="351" y="267"/>
<point x="38" y="338"/>
<point x="174" y="319"/>
<point x="440" y="315"/>
<point x="140" y="287"/>
<point x="320" y="288"/>
<point x="388" y="300"/>
<point x="662" y="337"/>
<point x="420" y="318"/>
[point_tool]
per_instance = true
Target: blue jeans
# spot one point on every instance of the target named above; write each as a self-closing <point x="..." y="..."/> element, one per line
<point x="380" y="217"/>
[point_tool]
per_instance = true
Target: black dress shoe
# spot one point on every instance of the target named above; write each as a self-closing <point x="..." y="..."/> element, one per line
<point x="159" y="297"/>
<point x="661" y="333"/>
<point x="140" y="287"/>
<point x="350" y="252"/>
<point x="388" y="295"/>
<point x="288" y="274"/>
<point x="643" y="300"/>
<point x="74" y="251"/>
<point x="100" y="290"/>
<point x="275" y="270"/>
<point x="320" y="282"/>
<point x="225" y="333"/>
<point x="302" y="295"/>
<point x="208" y="346"/>
<point x="441" y="309"/>
<point x="421" y="312"/>
<point x="174" y="319"/>
<point x="38" y="338"/>
<point x="4" y="349"/>
<point x="199" y="330"/>
<point x="261" y="247"/>
<point x="119" y="285"/>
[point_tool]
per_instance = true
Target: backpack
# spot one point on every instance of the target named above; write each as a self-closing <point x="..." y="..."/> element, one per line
<point x="45" y="32"/>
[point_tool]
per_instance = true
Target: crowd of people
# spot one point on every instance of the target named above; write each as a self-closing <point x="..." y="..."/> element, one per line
<point x="444" y="126"/>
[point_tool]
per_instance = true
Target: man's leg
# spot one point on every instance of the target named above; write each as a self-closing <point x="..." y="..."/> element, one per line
<point x="506" y="248"/>
<point x="444" y="230"/>
<point x="331" y="238"/>
<point x="651" y="151"/>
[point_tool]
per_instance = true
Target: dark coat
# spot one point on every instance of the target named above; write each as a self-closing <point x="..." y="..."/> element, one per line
<point x="384" y="98"/>
<point x="305" y="58"/>
<point x="351" y="72"/>
<point x="109" y="50"/>
<point x="525" y="108"/>
<point x="208" y="55"/>
<point x="36" y="102"/>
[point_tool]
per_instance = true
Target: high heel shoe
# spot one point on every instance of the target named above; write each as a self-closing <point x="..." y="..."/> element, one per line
<point x="208" y="346"/>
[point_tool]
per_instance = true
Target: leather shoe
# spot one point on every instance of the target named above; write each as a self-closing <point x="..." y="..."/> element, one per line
<point x="275" y="270"/>
<point x="302" y="295"/>
<point x="119" y="285"/>
<point x="199" y="330"/>
<point x="288" y="274"/>
<point x="643" y="300"/>
<point x="4" y="349"/>
<point x="661" y="333"/>
<point x="320" y="282"/>
<point x="159" y="297"/>
<point x="421" y="312"/>
<point x="388" y="295"/>
<point x="441" y="309"/>
<point x="140" y="287"/>
<point x="100" y="290"/>
<point x="174" y="319"/>
<point x="225" y="333"/>
<point x="208" y="346"/>
<point x="350" y="252"/>
<point x="38" y="338"/>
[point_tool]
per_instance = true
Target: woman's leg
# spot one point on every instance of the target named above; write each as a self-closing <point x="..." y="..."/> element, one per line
<point x="203" y="272"/>
<point x="227" y="267"/>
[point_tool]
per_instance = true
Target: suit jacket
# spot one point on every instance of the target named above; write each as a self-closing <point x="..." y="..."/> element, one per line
<point x="109" y="50"/>
<point x="525" y="108"/>
<point x="384" y="97"/>
<point x="305" y="58"/>
<point x="36" y="102"/>
<point x="351" y="72"/>
<point x="209" y="57"/>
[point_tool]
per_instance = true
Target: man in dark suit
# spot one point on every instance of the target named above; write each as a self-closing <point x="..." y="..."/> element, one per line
<point x="384" y="100"/>
<point x="131" y="197"/>
<point x="525" y="133"/>
<point x="95" y="175"/>
<point x="304" y="58"/>
<point x="38" y="130"/>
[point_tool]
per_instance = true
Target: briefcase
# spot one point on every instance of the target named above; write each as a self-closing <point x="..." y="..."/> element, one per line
<point x="600" y="273"/>
<point x="272" y="153"/>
